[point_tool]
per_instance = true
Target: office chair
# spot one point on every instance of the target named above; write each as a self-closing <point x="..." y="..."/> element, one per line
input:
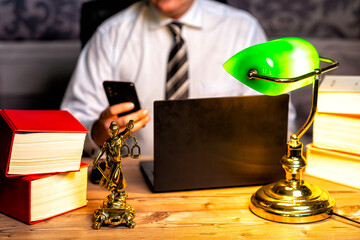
<point x="93" y="13"/>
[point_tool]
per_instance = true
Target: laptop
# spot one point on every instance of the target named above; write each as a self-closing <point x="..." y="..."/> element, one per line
<point x="217" y="142"/>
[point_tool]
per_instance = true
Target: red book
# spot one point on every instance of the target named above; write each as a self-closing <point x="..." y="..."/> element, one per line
<point x="40" y="141"/>
<point x="35" y="198"/>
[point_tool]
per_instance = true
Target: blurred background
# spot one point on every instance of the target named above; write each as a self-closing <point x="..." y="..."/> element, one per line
<point x="40" y="41"/>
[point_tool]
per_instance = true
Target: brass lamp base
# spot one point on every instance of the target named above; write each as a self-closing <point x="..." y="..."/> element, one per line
<point x="281" y="203"/>
<point x="292" y="200"/>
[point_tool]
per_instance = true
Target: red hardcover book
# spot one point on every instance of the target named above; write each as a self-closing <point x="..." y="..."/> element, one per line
<point x="40" y="141"/>
<point x="35" y="198"/>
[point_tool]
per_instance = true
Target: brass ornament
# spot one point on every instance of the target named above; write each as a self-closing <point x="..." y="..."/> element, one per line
<point x="114" y="210"/>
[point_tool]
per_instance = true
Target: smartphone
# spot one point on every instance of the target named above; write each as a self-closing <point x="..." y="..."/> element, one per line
<point x="119" y="92"/>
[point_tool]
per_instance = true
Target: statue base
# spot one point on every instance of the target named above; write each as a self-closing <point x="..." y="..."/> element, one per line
<point x="114" y="212"/>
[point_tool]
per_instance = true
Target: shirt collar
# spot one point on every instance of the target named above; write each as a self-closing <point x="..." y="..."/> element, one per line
<point x="193" y="17"/>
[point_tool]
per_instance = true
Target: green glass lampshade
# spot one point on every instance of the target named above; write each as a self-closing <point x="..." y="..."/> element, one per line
<point x="280" y="58"/>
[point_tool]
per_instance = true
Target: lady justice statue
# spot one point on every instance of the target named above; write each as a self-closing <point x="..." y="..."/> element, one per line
<point x="114" y="210"/>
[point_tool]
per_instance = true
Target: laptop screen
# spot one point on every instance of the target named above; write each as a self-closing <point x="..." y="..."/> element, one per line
<point x="219" y="142"/>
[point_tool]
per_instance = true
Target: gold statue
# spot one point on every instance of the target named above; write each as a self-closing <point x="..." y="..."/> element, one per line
<point x="115" y="211"/>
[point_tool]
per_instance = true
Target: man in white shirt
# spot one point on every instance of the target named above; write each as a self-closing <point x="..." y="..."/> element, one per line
<point x="134" y="45"/>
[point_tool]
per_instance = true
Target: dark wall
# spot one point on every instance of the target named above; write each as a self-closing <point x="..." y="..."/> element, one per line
<point x="305" y="18"/>
<point x="59" y="19"/>
<point x="39" y="19"/>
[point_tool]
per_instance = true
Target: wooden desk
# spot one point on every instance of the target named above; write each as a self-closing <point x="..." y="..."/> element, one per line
<point x="206" y="214"/>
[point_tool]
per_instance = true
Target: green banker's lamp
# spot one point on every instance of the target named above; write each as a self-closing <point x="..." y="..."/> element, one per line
<point x="274" y="68"/>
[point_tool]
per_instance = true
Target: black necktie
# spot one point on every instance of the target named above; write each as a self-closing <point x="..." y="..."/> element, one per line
<point x="177" y="81"/>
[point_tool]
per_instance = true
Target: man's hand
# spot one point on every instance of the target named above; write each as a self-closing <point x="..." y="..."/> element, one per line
<point x="99" y="131"/>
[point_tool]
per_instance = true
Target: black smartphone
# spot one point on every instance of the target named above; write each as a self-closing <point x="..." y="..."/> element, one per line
<point x="119" y="92"/>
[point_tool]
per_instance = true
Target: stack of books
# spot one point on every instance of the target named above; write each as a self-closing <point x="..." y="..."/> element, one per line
<point x="335" y="152"/>
<point x="41" y="173"/>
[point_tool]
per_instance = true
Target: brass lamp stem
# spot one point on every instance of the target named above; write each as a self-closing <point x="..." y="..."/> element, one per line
<point x="313" y="110"/>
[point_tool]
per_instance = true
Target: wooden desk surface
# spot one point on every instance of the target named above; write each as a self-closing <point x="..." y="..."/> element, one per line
<point x="205" y="214"/>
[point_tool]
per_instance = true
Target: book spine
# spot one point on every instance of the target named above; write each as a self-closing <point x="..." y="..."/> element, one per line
<point x="8" y="120"/>
<point x="6" y="140"/>
<point x="15" y="198"/>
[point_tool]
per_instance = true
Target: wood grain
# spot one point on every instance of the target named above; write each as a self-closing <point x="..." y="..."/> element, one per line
<point x="201" y="214"/>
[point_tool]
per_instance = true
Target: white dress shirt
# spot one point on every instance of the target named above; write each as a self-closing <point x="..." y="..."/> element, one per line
<point x="133" y="46"/>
